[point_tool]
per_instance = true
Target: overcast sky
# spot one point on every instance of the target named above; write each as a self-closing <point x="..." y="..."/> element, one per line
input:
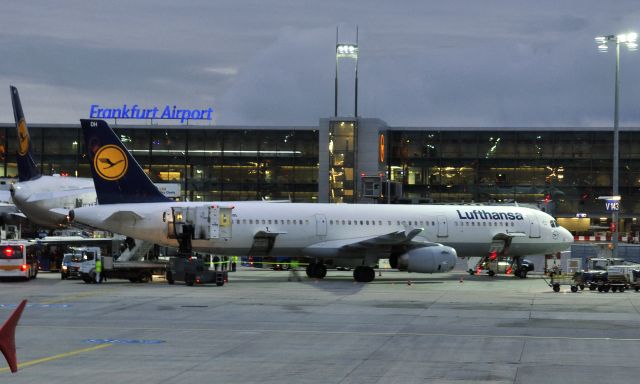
<point x="422" y="63"/>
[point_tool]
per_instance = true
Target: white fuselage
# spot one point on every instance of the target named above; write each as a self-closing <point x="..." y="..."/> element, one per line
<point x="37" y="198"/>
<point x="299" y="226"/>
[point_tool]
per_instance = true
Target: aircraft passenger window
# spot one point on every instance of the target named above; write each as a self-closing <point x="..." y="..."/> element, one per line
<point x="361" y="222"/>
<point x="250" y="221"/>
<point x="269" y="221"/>
<point x="238" y="221"/>
<point x="367" y="222"/>
<point x="330" y="222"/>
<point x="467" y="223"/>
<point x="433" y="223"/>
<point x="306" y="221"/>
<point x="484" y="223"/>
<point x="343" y="222"/>
<point x="512" y="224"/>
<point x="379" y="222"/>
<point x="349" y="222"/>
<point x="473" y="224"/>
<point x="263" y="221"/>
<point x="389" y="222"/>
<point x="288" y="221"/>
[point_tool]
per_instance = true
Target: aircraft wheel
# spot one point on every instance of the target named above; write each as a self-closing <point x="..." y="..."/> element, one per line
<point x="189" y="280"/>
<point x="169" y="277"/>
<point x="600" y="288"/>
<point x="574" y="289"/>
<point x="492" y="273"/>
<point x="607" y="288"/>
<point x="309" y="270"/>
<point x="614" y="289"/>
<point x="363" y="274"/>
<point x="621" y="289"/>
<point x="582" y="287"/>
<point x="320" y="271"/>
<point x="556" y="287"/>
<point x="472" y="272"/>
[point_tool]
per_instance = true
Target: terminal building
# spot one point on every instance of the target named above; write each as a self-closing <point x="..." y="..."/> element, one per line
<point x="562" y="170"/>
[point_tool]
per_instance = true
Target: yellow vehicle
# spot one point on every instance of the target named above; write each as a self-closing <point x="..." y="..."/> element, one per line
<point x="18" y="260"/>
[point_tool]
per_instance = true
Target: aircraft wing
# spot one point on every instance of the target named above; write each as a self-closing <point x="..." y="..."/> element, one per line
<point x="58" y="194"/>
<point x="361" y="244"/>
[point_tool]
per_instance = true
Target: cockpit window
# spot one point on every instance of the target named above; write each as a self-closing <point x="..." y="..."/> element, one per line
<point x="554" y="224"/>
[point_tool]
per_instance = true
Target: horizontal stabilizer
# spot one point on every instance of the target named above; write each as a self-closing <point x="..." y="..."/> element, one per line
<point x="44" y="196"/>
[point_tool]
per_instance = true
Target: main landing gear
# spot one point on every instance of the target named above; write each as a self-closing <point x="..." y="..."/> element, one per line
<point x="316" y="270"/>
<point x="361" y="274"/>
<point x="364" y="274"/>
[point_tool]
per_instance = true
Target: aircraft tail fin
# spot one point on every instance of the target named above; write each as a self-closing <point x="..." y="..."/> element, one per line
<point x="8" y="337"/>
<point x="117" y="176"/>
<point x="27" y="168"/>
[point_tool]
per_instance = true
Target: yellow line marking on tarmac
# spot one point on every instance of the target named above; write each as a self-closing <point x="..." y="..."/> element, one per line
<point x="60" y="356"/>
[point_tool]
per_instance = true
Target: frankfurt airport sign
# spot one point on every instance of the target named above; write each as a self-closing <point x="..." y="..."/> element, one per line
<point x="138" y="113"/>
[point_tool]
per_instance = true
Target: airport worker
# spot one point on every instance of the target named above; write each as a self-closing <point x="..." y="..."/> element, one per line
<point x="293" y="270"/>
<point x="98" y="269"/>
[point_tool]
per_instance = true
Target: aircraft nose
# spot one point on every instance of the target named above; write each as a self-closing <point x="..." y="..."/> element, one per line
<point x="567" y="237"/>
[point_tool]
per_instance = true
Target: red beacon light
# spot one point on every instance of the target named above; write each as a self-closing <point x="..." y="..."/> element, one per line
<point x="8" y="251"/>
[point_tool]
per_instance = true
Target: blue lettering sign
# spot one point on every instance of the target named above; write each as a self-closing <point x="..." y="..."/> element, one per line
<point x="137" y="113"/>
<point x="612" y="205"/>
<point x="477" y="214"/>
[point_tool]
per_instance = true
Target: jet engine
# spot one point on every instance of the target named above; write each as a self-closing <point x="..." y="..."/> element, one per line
<point x="433" y="259"/>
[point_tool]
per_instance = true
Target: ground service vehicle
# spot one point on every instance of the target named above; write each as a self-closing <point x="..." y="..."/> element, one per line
<point x="71" y="265"/>
<point x="198" y="269"/>
<point x="18" y="260"/>
<point x="134" y="271"/>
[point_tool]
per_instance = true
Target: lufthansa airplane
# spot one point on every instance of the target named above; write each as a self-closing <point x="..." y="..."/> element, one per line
<point x="416" y="238"/>
<point x="37" y="195"/>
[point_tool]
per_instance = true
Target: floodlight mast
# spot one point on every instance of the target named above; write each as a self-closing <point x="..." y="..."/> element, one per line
<point x="629" y="39"/>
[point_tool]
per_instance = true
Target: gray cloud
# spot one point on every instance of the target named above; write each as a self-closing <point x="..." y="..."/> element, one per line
<point x="426" y="63"/>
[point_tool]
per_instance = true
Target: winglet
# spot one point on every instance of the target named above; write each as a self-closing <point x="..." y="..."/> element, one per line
<point x="8" y="337"/>
<point x="27" y="168"/>
<point x="116" y="174"/>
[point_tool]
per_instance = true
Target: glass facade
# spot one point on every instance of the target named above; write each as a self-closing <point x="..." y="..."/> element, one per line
<point x="342" y="159"/>
<point x="209" y="164"/>
<point x="561" y="171"/>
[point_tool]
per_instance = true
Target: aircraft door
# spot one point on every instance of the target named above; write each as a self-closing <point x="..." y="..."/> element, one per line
<point x="321" y="225"/>
<point x="443" y="230"/>
<point x="534" y="226"/>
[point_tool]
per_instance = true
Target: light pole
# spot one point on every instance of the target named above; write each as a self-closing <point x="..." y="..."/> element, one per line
<point x="629" y="39"/>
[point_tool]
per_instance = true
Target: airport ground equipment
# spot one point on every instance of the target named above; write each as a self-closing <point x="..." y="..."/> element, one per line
<point x="71" y="265"/>
<point x="197" y="269"/>
<point x="495" y="264"/>
<point x="18" y="259"/>
<point x="134" y="271"/>
<point x="204" y="222"/>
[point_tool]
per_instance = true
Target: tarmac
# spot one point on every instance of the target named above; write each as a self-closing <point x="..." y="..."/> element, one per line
<point x="260" y="328"/>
